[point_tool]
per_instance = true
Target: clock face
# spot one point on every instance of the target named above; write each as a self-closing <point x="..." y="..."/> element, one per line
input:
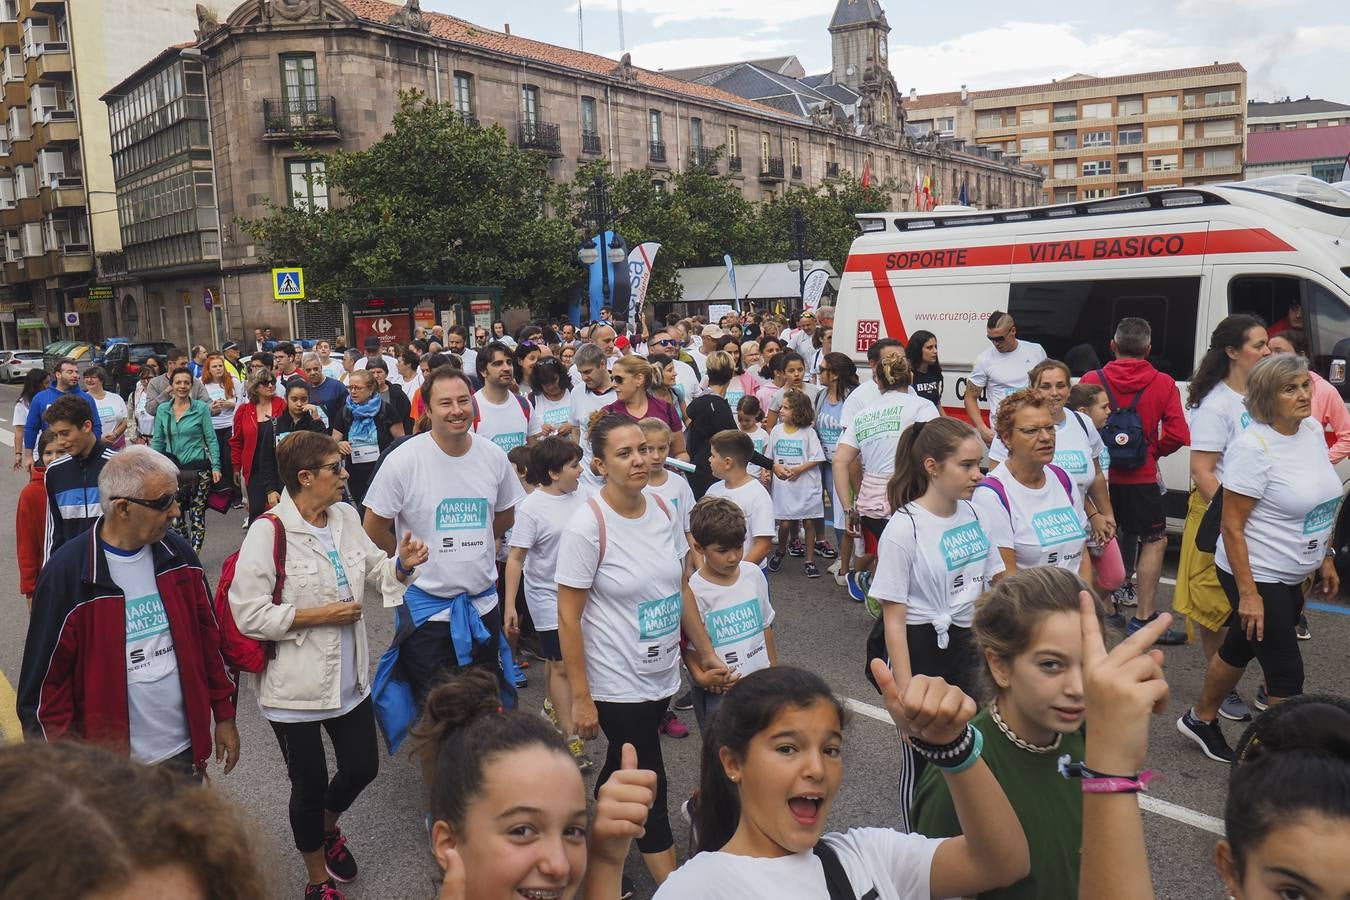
<point x="881" y="48"/>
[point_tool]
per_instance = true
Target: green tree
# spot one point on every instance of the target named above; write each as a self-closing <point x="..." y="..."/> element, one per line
<point x="830" y="212"/>
<point x="434" y="201"/>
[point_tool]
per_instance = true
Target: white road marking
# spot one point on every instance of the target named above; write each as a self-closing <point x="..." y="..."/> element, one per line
<point x="6" y="437"/>
<point x="1166" y="580"/>
<point x="1149" y="804"/>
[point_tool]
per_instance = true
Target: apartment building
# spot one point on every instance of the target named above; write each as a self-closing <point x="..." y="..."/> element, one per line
<point x="57" y="207"/>
<point x="1103" y="137"/>
<point x="1289" y="114"/>
<point x="1320" y="152"/>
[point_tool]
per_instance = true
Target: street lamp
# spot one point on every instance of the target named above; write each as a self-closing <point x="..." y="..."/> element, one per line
<point x="799" y="263"/>
<point x="599" y="211"/>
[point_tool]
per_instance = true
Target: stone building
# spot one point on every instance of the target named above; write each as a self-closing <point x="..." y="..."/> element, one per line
<point x="290" y="80"/>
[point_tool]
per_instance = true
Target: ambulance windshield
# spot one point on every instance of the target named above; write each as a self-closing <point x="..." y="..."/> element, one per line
<point x="1301" y="189"/>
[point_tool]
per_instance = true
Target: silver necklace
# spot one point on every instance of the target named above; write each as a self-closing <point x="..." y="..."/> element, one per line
<point x="1008" y="733"/>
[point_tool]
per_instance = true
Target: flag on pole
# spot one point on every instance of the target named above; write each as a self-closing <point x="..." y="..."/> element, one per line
<point x="867" y="174"/>
<point x="918" y="187"/>
<point x="927" y="192"/>
<point x="965" y="197"/>
<point x="731" y="276"/>
<point x="937" y="189"/>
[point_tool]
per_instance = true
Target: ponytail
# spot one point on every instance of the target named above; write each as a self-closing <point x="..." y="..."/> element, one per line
<point x="893" y="374"/>
<point x="937" y="440"/>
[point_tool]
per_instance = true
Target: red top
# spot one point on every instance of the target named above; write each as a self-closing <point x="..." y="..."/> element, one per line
<point x="30" y="530"/>
<point x="244" y="437"/>
<point x="1159" y="410"/>
<point x="656" y="409"/>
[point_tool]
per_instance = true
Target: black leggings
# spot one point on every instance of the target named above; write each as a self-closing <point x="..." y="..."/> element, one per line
<point x="639" y="724"/>
<point x="226" y="485"/>
<point x="358" y="761"/>
<point x="1279" y="656"/>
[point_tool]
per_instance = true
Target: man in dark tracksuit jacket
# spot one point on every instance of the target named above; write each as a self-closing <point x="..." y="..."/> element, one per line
<point x="74" y="679"/>
<point x="72" y="480"/>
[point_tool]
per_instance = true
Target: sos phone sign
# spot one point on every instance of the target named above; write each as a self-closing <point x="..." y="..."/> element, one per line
<point x="869" y="332"/>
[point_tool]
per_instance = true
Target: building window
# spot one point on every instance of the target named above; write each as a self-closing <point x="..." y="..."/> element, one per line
<point x="1096" y="193"/>
<point x="299" y="83"/>
<point x="464" y="94"/>
<point x="1162" y="163"/>
<point x="1066" y="141"/>
<point x="1037" y="116"/>
<point x="794" y="150"/>
<point x="1065" y="170"/>
<point x="1096" y="139"/>
<point x="1161" y="133"/>
<point x="1129" y="165"/>
<point x="946" y="125"/>
<point x="764" y="145"/>
<point x="1130" y="136"/>
<point x="529" y="105"/>
<point x="305" y="184"/>
<point x="1215" y="158"/>
<point x="1221" y="98"/>
<point x="654" y="126"/>
<point x="1130" y="106"/>
<point x="985" y="121"/>
<point x="733" y="142"/>
<point x="1222" y="127"/>
<point x="9" y="10"/>
<point x="1167" y="103"/>
<point x="1097" y="110"/>
<point x="589" y="125"/>
<point x="1035" y="145"/>
<point x="1067" y="195"/>
<point x="1096" y="167"/>
<point x="1330" y="173"/>
<point x="696" y="134"/>
<point x="1066" y="112"/>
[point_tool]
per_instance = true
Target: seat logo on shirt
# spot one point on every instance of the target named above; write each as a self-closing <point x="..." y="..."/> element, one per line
<point x="461" y="514"/>
<point x="963" y="545"/>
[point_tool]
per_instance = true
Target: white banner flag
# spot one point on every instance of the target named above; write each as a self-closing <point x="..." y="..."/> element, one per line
<point x="640" y="260"/>
<point x="815" y="286"/>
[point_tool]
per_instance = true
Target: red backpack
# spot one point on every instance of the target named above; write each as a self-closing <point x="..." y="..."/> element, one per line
<point x="245" y="654"/>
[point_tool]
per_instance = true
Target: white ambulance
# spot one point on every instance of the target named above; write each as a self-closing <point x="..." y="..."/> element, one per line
<point x="1182" y="258"/>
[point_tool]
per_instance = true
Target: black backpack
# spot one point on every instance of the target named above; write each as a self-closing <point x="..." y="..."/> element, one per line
<point x="1123" y="433"/>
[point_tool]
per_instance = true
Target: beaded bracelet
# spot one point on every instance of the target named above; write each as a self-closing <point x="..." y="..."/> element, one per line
<point x="953" y="757"/>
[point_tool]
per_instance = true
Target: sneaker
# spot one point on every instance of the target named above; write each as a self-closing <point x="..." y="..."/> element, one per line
<point x="811" y="570"/>
<point x="627" y="889"/>
<point x="873" y="606"/>
<point x="548" y="712"/>
<point x="1301" y="629"/>
<point x="1262" y="700"/>
<point x="1125" y="595"/>
<point x="795" y="548"/>
<point x="1234" y="709"/>
<point x="775" y="562"/>
<point x="858" y="583"/>
<point x="684" y="702"/>
<point x="826" y="549"/>
<point x="1208" y="736"/>
<point x="841" y="579"/>
<point x="1168" y="638"/>
<point x="337" y="859"/>
<point x="522" y="680"/>
<point x="325" y="891"/>
<point x="578" y="748"/>
<point x="834" y="568"/>
<point x="671" y="726"/>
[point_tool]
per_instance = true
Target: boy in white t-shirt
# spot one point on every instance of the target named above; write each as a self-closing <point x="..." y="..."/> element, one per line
<point x="670" y="486"/>
<point x="729" y="460"/>
<point x="732" y="597"/>
<point x="554" y="470"/>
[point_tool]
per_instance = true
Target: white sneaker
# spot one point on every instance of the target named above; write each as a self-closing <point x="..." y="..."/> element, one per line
<point x="834" y="569"/>
<point x="841" y="579"/>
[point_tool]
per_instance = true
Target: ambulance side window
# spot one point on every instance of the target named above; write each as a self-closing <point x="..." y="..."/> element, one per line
<point x="1329" y="327"/>
<point x="1075" y="320"/>
<point x="1267" y="297"/>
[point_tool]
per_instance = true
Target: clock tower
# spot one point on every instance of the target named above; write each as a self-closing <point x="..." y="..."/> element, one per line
<point x="860" y="55"/>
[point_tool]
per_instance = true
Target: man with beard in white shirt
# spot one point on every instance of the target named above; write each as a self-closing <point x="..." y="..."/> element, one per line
<point x="1000" y="370"/>
<point x="596" y="391"/>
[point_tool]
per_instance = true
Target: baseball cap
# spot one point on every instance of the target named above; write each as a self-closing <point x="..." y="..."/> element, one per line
<point x="230" y="345"/>
<point x="713" y="331"/>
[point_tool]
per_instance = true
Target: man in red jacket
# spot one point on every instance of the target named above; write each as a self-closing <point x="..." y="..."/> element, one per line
<point x="1135" y="494"/>
<point x="123" y="648"/>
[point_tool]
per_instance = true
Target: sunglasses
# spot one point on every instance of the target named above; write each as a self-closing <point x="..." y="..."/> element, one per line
<point x="617" y="379"/>
<point x="665" y="342"/>
<point x="267" y="382"/>
<point x="159" y="504"/>
<point x="334" y="467"/>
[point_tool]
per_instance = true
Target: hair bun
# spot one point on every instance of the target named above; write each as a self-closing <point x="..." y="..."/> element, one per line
<point x="465" y="697"/>
<point x="1317" y="723"/>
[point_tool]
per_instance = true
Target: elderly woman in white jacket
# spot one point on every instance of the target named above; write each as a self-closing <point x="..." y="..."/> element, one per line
<point x="319" y="676"/>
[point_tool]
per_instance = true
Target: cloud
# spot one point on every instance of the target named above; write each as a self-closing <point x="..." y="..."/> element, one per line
<point x="667" y="12"/>
<point x="1204" y="9"/>
<point x="1323" y="37"/>
<point x="685" y="52"/>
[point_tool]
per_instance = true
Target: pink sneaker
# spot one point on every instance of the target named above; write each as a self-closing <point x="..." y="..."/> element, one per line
<point x="672" y="726"/>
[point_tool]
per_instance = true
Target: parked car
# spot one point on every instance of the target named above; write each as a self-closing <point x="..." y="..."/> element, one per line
<point x="14" y="364"/>
<point x="123" y="362"/>
<point x="82" y="352"/>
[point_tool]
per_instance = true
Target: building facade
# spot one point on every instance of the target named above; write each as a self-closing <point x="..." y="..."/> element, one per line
<point x="1321" y="152"/>
<point x="1103" y="137"/>
<point x="57" y="209"/>
<point x="1289" y="115"/>
<point x="289" y="82"/>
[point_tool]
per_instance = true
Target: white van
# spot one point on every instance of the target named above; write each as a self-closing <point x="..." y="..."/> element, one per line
<point x="1182" y="258"/>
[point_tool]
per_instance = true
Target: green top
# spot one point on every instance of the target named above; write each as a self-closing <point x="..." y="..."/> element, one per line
<point x="189" y="438"/>
<point x="1049" y="806"/>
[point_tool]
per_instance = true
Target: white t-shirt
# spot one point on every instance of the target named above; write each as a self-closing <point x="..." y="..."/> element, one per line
<point x="800" y="499"/>
<point x="897" y="865"/>
<point x="737" y="616"/>
<point x="584" y="405"/>
<point x="760" y="438"/>
<point x="1043" y="527"/>
<point x="156" y="713"/>
<point x="505" y="424"/>
<point x="448" y="501"/>
<point x="863" y="396"/>
<point x="803" y="343"/>
<point x="388" y="361"/>
<point x="20" y="414"/>
<point x="333" y="369"/>
<point x="1077" y="446"/>
<point x="755" y="503"/>
<point x="557" y="413"/>
<point x="678" y="496"/>
<point x="1003" y="373"/>
<point x="686" y="380"/>
<point x="936" y="565"/>
<point x="631" y="624"/>
<point x="807" y="388"/>
<point x="225" y="418"/>
<point x="1217" y="422"/>
<point x="875" y="430"/>
<point x="1297" y="493"/>
<point x="469" y="358"/>
<point x="112" y="411"/>
<point x="349" y="695"/>
<point x="540" y="520"/>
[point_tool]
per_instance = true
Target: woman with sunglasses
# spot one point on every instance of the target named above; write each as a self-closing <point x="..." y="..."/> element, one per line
<point x="318" y="678"/>
<point x="253" y="443"/>
<point x="635" y="381"/>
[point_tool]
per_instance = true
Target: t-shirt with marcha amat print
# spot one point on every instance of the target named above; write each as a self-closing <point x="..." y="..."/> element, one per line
<point x="875" y="431"/>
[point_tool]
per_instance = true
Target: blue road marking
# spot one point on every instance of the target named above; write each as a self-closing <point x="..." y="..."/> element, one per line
<point x="1327" y="607"/>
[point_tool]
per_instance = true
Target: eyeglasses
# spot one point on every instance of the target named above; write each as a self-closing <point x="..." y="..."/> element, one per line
<point x="267" y="382"/>
<point x="617" y="379"/>
<point x="997" y="338"/>
<point x="159" y="504"/>
<point x="665" y="342"/>
<point x="334" y="467"/>
<point x="1033" y="431"/>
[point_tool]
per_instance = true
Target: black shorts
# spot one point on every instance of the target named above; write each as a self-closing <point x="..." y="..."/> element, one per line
<point x="1139" y="510"/>
<point x="549" y="647"/>
<point x="1280" y="658"/>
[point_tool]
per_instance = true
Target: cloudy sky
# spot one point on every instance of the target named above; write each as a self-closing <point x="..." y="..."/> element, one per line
<point x="1290" y="47"/>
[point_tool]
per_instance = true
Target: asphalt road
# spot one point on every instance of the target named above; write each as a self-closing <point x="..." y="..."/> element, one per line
<point x="818" y="628"/>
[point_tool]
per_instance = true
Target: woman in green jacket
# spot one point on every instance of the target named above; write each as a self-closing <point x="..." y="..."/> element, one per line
<point x="183" y="432"/>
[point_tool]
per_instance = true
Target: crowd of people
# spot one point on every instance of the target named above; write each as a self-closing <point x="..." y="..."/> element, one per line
<point x="613" y="506"/>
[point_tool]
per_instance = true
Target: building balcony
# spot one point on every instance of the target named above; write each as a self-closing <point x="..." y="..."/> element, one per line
<point x="303" y="119"/>
<point x="1200" y="112"/>
<point x="771" y="169"/>
<point x="832" y="170"/>
<point x="50" y="7"/>
<point x="704" y="158"/>
<point x="656" y="151"/>
<point x="590" y="143"/>
<point x="72" y="259"/>
<point x="63" y="193"/>
<point x="52" y="60"/>
<point x="796" y="173"/>
<point x="59" y="126"/>
<point x="544" y="137"/>
<point x="734" y="164"/>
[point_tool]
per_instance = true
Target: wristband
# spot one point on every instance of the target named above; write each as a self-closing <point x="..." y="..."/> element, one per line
<point x="398" y="566"/>
<point x="976" y="751"/>
<point x="1095" y="782"/>
<point x="955" y="756"/>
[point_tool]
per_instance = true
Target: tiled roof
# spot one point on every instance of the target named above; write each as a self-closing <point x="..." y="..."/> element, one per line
<point x="694" y="73"/>
<point x="856" y="12"/>
<point x="953" y="98"/>
<point x="1298" y="145"/>
<point x="1257" y="109"/>
<point x="453" y="29"/>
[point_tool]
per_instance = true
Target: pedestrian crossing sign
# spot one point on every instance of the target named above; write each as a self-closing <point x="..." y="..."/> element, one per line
<point x="288" y="284"/>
